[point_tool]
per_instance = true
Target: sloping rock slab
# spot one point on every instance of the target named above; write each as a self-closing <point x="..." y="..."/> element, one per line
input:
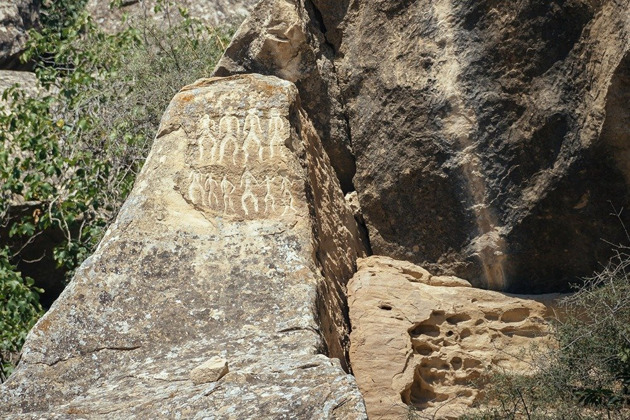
<point x="419" y="342"/>
<point x="217" y="253"/>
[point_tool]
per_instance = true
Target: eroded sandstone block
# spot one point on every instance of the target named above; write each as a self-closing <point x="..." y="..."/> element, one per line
<point x="420" y="345"/>
<point x="235" y="244"/>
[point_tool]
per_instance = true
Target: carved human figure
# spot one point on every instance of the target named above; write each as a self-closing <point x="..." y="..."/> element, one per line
<point x="229" y="129"/>
<point x="270" y="201"/>
<point x="195" y="190"/>
<point x="206" y="136"/>
<point x="275" y="133"/>
<point x="287" y="195"/>
<point x="227" y="189"/>
<point x="254" y="136"/>
<point x="247" y="179"/>
<point x="211" y="186"/>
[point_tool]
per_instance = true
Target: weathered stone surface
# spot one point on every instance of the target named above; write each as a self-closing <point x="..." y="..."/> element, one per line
<point x="26" y="80"/>
<point x="235" y="243"/>
<point x="489" y="136"/>
<point x="283" y="38"/>
<point x="210" y="371"/>
<point x="417" y="345"/>
<point x="16" y="17"/>
<point x="213" y="12"/>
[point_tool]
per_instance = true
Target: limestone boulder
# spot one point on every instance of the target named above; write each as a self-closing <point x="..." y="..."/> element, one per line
<point x="417" y="348"/>
<point x="490" y="138"/>
<point x="16" y="18"/>
<point x="213" y="12"/>
<point x="219" y="292"/>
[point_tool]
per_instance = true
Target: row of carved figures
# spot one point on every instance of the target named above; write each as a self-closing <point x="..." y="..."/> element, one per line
<point x="215" y="142"/>
<point x="210" y="192"/>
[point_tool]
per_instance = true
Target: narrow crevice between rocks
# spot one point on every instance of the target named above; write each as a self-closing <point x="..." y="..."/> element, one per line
<point x="330" y="51"/>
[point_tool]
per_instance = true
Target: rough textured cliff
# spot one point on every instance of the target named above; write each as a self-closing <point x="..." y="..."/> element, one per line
<point x="488" y="136"/>
<point x="16" y="17"/>
<point x="233" y="248"/>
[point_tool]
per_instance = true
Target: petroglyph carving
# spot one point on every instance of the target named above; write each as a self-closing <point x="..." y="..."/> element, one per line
<point x="227" y="189"/>
<point x="229" y="128"/>
<point x="276" y="127"/>
<point x="270" y="201"/>
<point x="287" y="195"/>
<point x="254" y="136"/>
<point x="247" y="179"/>
<point x="207" y="137"/>
<point x="211" y="186"/>
<point x="195" y="190"/>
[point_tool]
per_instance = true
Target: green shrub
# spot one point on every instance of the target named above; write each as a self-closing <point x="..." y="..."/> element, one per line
<point x="73" y="152"/>
<point x="587" y="376"/>
<point x="19" y="310"/>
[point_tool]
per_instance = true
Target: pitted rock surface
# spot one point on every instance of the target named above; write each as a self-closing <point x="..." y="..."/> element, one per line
<point x="421" y="341"/>
<point x="490" y="137"/>
<point x="235" y="243"/>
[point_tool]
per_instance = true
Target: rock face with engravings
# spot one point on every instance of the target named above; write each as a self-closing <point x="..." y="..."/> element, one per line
<point x="484" y="139"/>
<point x="220" y="289"/>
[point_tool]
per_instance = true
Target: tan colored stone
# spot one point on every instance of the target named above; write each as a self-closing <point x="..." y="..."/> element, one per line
<point x="449" y="281"/>
<point x="210" y="371"/>
<point x="236" y="242"/>
<point x="418" y="346"/>
<point x="282" y="38"/>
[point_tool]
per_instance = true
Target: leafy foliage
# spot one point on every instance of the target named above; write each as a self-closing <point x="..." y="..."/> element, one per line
<point x="72" y="152"/>
<point x="19" y="310"/>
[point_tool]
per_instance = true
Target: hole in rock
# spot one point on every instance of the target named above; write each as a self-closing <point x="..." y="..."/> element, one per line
<point x="385" y="307"/>
<point x="456" y="319"/>
<point x="491" y="316"/>
<point x="456" y="363"/>
<point x="422" y="348"/>
<point x="515" y="315"/>
<point x="465" y="333"/>
<point x="421" y="394"/>
<point x="425" y="329"/>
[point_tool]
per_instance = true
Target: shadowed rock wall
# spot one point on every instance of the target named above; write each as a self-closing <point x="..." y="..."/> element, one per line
<point x="476" y="125"/>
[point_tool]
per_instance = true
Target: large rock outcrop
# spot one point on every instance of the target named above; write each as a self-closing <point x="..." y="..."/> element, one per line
<point x="490" y="137"/>
<point x="219" y="290"/>
<point x="420" y="342"/>
<point x="16" y="17"/>
<point x="213" y="12"/>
